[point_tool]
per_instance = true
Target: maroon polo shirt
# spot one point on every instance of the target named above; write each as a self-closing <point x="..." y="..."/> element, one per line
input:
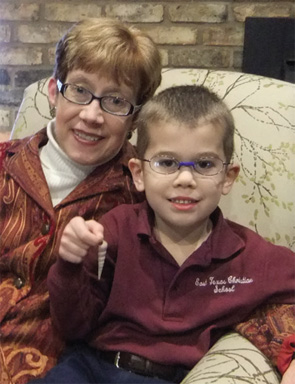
<point x="147" y="304"/>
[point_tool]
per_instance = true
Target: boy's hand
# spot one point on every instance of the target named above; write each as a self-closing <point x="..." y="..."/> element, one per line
<point x="77" y="237"/>
<point x="289" y="375"/>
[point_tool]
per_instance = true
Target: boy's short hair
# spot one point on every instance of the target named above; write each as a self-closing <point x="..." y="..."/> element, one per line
<point x="122" y="53"/>
<point x="189" y="105"/>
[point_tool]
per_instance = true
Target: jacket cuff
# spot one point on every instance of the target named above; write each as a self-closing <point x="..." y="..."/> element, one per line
<point x="286" y="354"/>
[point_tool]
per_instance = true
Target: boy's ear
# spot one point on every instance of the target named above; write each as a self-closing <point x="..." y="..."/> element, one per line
<point x="52" y="91"/>
<point x="135" y="166"/>
<point x="231" y="174"/>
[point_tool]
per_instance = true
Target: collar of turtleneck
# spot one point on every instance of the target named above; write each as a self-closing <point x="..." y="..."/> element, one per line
<point x="62" y="174"/>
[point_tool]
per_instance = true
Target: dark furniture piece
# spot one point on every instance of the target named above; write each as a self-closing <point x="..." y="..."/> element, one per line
<point x="269" y="47"/>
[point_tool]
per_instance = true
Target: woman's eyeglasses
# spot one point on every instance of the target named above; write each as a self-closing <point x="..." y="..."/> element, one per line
<point x="111" y="104"/>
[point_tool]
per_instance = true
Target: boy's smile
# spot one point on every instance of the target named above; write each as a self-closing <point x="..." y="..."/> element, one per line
<point x="183" y="201"/>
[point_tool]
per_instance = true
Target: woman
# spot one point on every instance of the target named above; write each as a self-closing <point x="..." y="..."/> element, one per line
<point x="77" y="165"/>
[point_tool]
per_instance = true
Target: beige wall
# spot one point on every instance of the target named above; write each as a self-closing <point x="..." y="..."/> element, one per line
<point x="202" y="34"/>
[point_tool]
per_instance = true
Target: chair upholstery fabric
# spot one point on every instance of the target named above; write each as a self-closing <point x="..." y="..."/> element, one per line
<point x="233" y="360"/>
<point x="262" y="198"/>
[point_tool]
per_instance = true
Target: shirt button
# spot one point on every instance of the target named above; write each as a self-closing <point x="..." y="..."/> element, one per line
<point x="45" y="228"/>
<point x="18" y="282"/>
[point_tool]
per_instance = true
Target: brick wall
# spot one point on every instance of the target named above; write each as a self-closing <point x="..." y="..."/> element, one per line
<point x="202" y="34"/>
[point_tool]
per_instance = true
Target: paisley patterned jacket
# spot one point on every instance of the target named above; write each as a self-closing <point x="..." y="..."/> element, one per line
<point x="29" y="236"/>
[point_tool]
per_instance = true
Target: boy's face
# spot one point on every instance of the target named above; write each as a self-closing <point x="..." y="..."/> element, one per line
<point x="86" y="133"/>
<point x="184" y="199"/>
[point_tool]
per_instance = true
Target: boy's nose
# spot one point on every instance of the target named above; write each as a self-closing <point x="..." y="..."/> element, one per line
<point x="185" y="176"/>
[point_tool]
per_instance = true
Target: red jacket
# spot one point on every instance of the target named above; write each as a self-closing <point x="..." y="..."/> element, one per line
<point x="29" y="230"/>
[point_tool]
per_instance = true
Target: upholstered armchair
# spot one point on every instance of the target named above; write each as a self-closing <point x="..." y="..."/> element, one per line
<point x="263" y="196"/>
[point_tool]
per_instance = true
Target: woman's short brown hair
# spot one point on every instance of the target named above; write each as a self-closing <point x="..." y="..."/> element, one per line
<point x="120" y="52"/>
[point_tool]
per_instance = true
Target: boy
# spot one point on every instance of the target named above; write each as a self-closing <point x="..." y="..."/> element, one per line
<point x="177" y="275"/>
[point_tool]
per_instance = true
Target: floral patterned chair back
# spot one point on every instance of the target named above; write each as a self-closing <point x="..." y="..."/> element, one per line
<point x="264" y="111"/>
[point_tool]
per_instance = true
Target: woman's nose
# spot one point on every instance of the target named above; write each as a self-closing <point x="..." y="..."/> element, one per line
<point x="92" y="112"/>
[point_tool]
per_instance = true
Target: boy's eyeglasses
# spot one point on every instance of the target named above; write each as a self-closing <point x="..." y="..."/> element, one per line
<point x="206" y="166"/>
<point x="111" y="104"/>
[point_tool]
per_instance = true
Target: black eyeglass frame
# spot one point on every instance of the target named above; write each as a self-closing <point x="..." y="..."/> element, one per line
<point x="63" y="86"/>
<point x="186" y="164"/>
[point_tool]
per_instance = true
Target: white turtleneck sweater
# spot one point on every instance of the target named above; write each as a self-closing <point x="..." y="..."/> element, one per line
<point x="61" y="173"/>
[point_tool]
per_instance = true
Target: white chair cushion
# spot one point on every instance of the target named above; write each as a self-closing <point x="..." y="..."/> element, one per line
<point x="233" y="360"/>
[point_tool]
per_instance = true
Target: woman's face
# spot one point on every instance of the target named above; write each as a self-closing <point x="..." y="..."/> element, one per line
<point x="86" y="133"/>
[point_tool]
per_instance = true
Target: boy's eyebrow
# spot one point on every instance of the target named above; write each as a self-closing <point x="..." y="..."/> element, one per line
<point x="207" y="154"/>
<point x="197" y="155"/>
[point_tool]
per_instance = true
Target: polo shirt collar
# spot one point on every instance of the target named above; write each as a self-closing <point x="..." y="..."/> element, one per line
<point x="222" y="243"/>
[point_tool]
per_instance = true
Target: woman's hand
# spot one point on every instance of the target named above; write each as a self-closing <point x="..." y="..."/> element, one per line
<point x="78" y="236"/>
